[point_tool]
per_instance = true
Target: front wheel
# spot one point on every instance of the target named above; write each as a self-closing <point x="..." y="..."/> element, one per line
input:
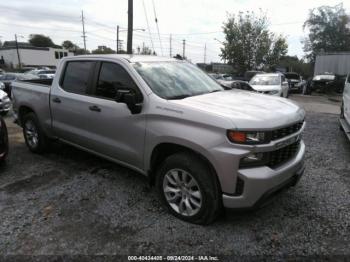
<point x="189" y="189"/>
<point x="34" y="136"/>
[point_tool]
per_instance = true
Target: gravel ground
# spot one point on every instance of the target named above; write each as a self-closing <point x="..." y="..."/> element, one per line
<point x="68" y="202"/>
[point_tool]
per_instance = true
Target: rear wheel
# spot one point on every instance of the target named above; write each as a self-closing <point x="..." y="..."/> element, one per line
<point x="188" y="188"/>
<point x="34" y="136"/>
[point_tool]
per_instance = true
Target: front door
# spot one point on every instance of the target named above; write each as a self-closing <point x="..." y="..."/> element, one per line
<point x="95" y="120"/>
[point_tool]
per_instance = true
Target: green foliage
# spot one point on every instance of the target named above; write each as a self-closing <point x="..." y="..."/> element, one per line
<point x="294" y="64"/>
<point x="329" y="31"/>
<point x="249" y="44"/>
<point x="102" y="49"/>
<point x="41" y="41"/>
<point x="69" y="45"/>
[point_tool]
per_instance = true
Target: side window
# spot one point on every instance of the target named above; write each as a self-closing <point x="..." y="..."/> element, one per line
<point x="112" y="77"/>
<point x="57" y="55"/>
<point x="76" y="76"/>
<point x="348" y="81"/>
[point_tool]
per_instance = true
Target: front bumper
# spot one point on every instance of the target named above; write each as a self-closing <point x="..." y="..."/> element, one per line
<point x="262" y="182"/>
<point x="5" y="106"/>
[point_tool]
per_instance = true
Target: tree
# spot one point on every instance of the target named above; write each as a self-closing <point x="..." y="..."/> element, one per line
<point x="329" y="31"/>
<point x="249" y="44"/>
<point x="67" y="44"/>
<point x="102" y="49"/>
<point x="293" y="63"/>
<point x="41" y="41"/>
<point x="70" y="46"/>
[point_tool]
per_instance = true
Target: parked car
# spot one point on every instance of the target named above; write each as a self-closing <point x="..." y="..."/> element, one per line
<point x="250" y="74"/>
<point x="222" y="80"/>
<point x="202" y="147"/>
<point x="5" y="103"/>
<point x="4" y="146"/>
<point x="271" y="84"/>
<point x="43" y="73"/>
<point x="8" y="78"/>
<point x="345" y="108"/>
<point x="328" y="83"/>
<point x="243" y="85"/>
<point x="295" y="82"/>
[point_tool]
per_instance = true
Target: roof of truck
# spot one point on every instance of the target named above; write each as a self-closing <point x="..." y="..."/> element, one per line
<point x="130" y="58"/>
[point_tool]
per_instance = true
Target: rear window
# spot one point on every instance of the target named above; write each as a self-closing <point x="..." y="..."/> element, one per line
<point x="76" y="76"/>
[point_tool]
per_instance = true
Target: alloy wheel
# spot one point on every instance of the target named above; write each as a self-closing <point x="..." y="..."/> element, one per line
<point x="182" y="192"/>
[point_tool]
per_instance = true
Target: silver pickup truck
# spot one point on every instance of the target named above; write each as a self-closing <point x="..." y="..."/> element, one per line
<point x="202" y="147"/>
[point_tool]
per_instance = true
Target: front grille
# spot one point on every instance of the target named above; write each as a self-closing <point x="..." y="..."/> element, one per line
<point x="286" y="131"/>
<point x="283" y="155"/>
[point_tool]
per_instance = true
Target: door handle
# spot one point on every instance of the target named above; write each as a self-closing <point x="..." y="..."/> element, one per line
<point x="56" y="100"/>
<point x="95" y="108"/>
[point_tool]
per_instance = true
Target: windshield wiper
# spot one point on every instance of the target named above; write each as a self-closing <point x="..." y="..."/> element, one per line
<point x="216" y="90"/>
<point x="178" y="97"/>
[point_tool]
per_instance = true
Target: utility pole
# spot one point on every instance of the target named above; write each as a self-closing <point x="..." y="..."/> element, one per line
<point x="117" y="39"/>
<point x="84" y="34"/>
<point x="205" y="53"/>
<point x="183" y="48"/>
<point x="19" y="59"/>
<point x="130" y="26"/>
<point x="170" y="40"/>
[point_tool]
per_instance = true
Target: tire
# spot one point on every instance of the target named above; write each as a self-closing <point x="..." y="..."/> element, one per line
<point x="206" y="205"/>
<point x="4" y="137"/>
<point x="34" y="136"/>
<point x="341" y="116"/>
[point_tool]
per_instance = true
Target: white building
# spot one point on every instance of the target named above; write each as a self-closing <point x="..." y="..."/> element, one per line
<point x="32" y="56"/>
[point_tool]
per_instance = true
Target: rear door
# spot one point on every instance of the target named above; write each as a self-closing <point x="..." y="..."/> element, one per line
<point x="70" y="102"/>
<point x="346" y="99"/>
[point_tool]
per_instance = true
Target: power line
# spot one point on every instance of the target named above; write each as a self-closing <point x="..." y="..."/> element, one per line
<point x="150" y="36"/>
<point x="156" y="20"/>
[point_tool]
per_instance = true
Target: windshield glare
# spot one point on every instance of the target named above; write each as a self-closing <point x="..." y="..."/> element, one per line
<point x="265" y="80"/>
<point x="176" y="80"/>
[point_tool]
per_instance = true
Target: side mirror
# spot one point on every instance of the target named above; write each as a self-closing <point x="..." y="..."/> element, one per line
<point x="128" y="97"/>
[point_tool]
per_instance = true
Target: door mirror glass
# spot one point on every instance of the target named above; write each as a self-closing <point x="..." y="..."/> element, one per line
<point x="128" y="97"/>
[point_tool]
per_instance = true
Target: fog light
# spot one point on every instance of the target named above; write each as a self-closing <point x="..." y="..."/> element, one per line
<point x="253" y="159"/>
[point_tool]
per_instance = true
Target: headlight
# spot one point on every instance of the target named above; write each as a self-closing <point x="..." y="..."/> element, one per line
<point x="273" y="92"/>
<point x="248" y="137"/>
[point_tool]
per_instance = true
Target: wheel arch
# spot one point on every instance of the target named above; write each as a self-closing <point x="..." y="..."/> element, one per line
<point x="165" y="149"/>
<point x="22" y="111"/>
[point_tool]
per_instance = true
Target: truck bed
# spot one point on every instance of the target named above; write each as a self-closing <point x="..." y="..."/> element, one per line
<point x="34" y="94"/>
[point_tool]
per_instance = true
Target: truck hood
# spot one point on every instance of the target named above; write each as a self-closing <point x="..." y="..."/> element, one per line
<point x="246" y="110"/>
<point x="263" y="88"/>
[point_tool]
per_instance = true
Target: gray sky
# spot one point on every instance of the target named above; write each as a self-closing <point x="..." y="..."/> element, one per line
<point x="197" y="21"/>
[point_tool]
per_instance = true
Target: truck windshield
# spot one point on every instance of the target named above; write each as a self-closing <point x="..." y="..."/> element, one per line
<point x="176" y="80"/>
